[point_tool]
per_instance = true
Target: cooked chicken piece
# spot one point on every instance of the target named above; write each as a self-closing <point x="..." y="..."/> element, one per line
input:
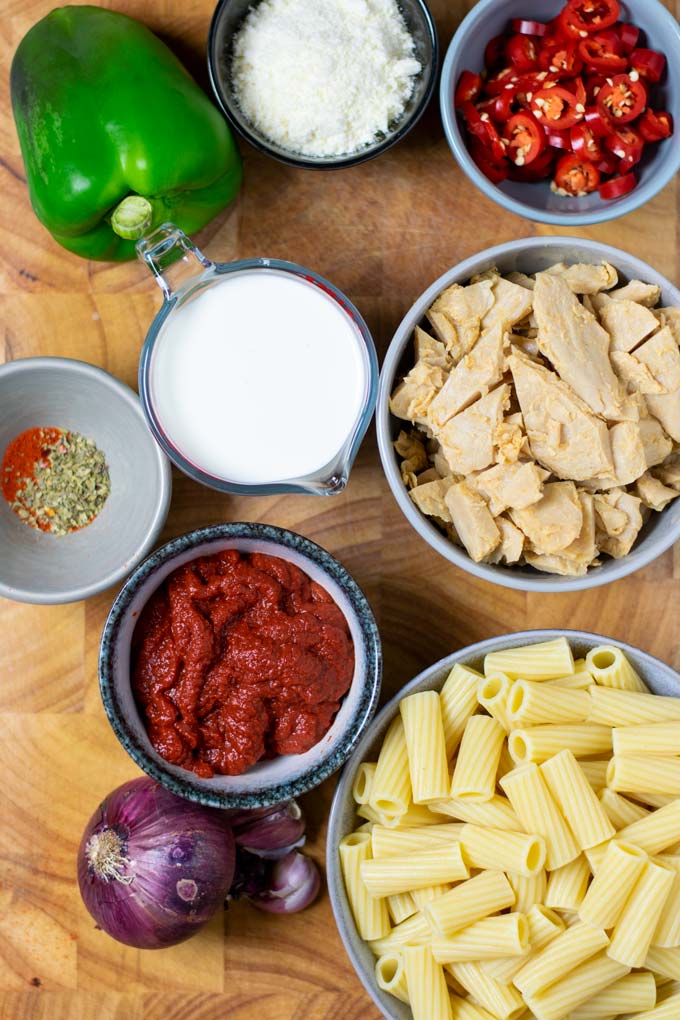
<point x="655" y="442"/>
<point x="441" y="464"/>
<point x="669" y="471"/>
<point x="413" y="396"/>
<point x="555" y="521"/>
<point x="467" y="439"/>
<point x="510" y="440"/>
<point x="429" y="475"/>
<point x="634" y="374"/>
<point x="410" y="447"/>
<point x="628" y="452"/>
<point x="654" y="493"/>
<point x="616" y="533"/>
<point x="661" y="355"/>
<point x="512" y="304"/>
<point x="642" y="293"/>
<point x="430" y="498"/>
<point x="527" y="345"/>
<point x="627" y="322"/>
<point x="583" y="278"/>
<point x="512" y="543"/>
<point x="577" y="346"/>
<point x="472" y="520"/>
<point x="489" y="274"/>
<point x="564" y="435"/>
<point x="521" y="279"/>
<point x="670" y="317"/>
<point x="511" y="485"/>
<point x="465" y="307"/>
<point x="666" y="408"/>
<point x="474" y="375"/>
<point x="577" y="557"/>
<point x="444" y="329"/>
<point x="430" y="350"/>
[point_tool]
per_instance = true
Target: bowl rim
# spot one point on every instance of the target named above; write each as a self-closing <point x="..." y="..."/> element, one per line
<point x="503" y="576"/>
<point x="620" y="207"/>
<point x="163" y="490"/>
<point x="338" y="898"/>
<point x="301" y="162"/>
<point x="280" y="538"/>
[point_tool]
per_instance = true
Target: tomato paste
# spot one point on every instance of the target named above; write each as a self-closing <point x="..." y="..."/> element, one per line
<point x="237" y="657"/>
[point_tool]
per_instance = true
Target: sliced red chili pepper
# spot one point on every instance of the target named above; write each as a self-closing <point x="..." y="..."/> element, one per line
<point x="495" y="51"/>
<point x="585" y="143"/>
<point x="522" y="52"/>
<point x="625" y="143"/>
<point x="599" y="57"/>
<point x="525" y="138"/>
<point x="628" y="34"/>
<point x="537" y="171"/>
<point x="621" y="99"/>
<point x="576" y="176"/>
<point x="528" y="27"/>
<point x="497" y="82"/>
<point x="468" y="88"/>
<point x="479" y="125"/>
<point x="480" y="155"/>
<point x="503" y="106"/>
<point x="559" y="139"/>
<point x="557" y="107"/>
<point x="561" y="57"/>
<point x="648" y="63"/>
<point x="590" y="15"/>
<point x="576" y="86"/>
<point x="609" y="164"/>
<point x="592" y="85"/>
<point x="654" y="126"/>
<point x="617" y="186"/>
<point x="599" y="125"/>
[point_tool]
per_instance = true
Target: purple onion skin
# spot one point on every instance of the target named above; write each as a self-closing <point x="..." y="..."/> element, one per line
<point x="173" y="870"/>
<point x="285" y="886"/>
<point x="271" y="832"/>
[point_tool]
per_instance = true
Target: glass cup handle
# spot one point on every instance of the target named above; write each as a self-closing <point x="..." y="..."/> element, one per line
<point x="172" y="257"/>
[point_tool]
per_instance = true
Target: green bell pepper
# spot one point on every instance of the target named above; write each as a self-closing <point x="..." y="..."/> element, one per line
<point x="115" y="135"/>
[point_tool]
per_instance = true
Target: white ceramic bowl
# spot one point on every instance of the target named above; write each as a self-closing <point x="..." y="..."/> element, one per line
<point x="659" y="677"/>
<point x="528" y="255"/>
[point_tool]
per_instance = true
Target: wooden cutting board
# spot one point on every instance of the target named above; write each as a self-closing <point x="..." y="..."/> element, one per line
<point x="382" y="233"/>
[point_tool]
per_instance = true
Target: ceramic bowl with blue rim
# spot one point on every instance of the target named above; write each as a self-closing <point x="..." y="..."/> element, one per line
<point x="268" y="781"/>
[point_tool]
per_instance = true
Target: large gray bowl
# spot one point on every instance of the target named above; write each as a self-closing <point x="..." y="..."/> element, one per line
<point x="528" y="256"/>
<point x="659" y="677"/>
<point x="62" y="393"/>
<point x="660" y="162"/>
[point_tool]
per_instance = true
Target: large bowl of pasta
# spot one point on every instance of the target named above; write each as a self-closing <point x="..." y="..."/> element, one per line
<point x="506" y="836"/>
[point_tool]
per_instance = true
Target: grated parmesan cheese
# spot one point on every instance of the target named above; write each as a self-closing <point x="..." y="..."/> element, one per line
<point x="323" y="77"/>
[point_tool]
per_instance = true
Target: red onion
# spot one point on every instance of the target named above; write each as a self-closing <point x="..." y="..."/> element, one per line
<point x="270" y="832"/>
<point x="153" y="868"/>
<point x="279" y="887"/>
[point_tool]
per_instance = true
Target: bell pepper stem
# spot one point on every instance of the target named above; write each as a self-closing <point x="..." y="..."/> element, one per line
<point x="132" y="217"/>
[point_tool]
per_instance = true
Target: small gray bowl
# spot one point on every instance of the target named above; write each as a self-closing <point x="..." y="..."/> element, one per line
<point x="659" y="677"/>
<point x="659" y="164"/>
<point x="530" y="255"/>
<point x="62" y="393"/>
<point x="268" y="781"/>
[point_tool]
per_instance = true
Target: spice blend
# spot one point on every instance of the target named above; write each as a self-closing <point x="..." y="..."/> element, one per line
<point x="54" y="480"/>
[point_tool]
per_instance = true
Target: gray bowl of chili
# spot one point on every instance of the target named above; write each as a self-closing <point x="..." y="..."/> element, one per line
<point x="273" y="777"/>
<point x="60" y="393"/>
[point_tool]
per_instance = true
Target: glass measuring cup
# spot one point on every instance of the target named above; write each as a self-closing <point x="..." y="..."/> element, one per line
<point x="184" y="274"/>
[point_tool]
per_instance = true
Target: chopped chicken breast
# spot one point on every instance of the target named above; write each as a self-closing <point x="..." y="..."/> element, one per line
<point x="670" y="317"/>
<point x="511" y="485"/>
<point x="444" y="329"/>
<point x="654" y="493"/>
<point x="555" y="521"/>
<point x="474" y="375"/>
<point x="521" y="279"/>
<point x="669" y="471"/>
<point x="430" y="475"/>
<point x="627" y="322"/>
<point x="564" y="435"/>
<point x="573" y="340"/>
<point x="655" y="442"/>
<point x="430" y="498"/>
<point x="465" y="307"/>
<point x="661" y="355"/>
<point x="618" y="543"/>
<point x="666" y="409"/>
<point x="577" y="557"/>
<point x="583" y="278"/>
<point x="414" y="395"/>
<point x="512" y="304"/>
<point x="430" y="350"/>
<point x="642" y="293"/>
<point x="512" y="543"/>
<point x="510" y="440"/>
<point x="472" y="520"/>
<point x="467" y="439"/>
<point x="628" y="452"/>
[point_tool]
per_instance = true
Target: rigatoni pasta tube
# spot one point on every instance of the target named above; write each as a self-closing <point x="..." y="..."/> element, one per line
<point x="609" y="667"/>
<point x="370" y="915"/>
<point x="619" y="810"/>
<point x="428" y="893"/>
<point x="576" y="800"/>
<point x="466" y="1009"/>
<point x="662" y="738"/>
<point x="414" y="931"/>
<point x="634" y="930"/>
<point x="534" y="806"/>
<point x="458" y="699"/>
<point x="390" y="975"/>
<point x="630" y="994"/>
<point x="562" y="954"/>
<point x="637" y="773"/>
<point x="596" y="773"/>
<point x="427" y="990"/>
<point x="611" y="707"/>
<point x="389" y="842"/>
<point x="613" y="883"/>
<point x="496" y="813"/>
<point x="388" y="876"/>
<point x="669" y="1009"/>
<point x="531" y="703"/>
<point x="492" y="694"/>
<point x="538" y="743"/>
<point x="499" y="850"/>
<point x="667" y="932"/>
<point x="363" y="782"/>
<point x="664" y="961"/>
<point x="391" y="787"/>
<point x="488" y="939"/>
<point x="567" y="885"/>
<point x="400" y="907"/>
<point x="544" y="926"/>
<point x="579" y="681"/>
<point x="501" y="1000"/>
<point x="545" y="660"/>
<point x="579" y="985"/>
<point x="474" y="775"/>
<point x="657" y="831"/>
<point x="422" y="717"/>
<point x="469" y="902"/>
<point x="528" y="889"/>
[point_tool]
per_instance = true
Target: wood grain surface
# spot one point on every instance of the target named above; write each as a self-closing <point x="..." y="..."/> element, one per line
<point x="381" y="232"/>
